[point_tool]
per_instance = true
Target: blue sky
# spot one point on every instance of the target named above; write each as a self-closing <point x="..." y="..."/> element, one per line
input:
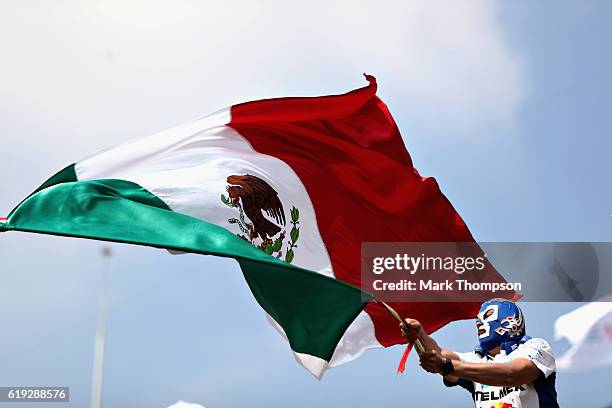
<point x="506" y="104"/>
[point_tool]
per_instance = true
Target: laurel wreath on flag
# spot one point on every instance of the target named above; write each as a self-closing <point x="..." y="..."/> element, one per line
<point x="294" y="234"/>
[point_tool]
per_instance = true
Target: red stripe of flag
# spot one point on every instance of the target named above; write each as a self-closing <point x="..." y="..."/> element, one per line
<point x="348" y="152"/>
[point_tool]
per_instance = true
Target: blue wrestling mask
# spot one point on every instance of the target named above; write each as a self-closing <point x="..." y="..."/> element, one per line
<point x="500" y="322"/>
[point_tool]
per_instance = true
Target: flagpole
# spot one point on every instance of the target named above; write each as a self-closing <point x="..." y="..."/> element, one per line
<point x="100" y="339"/>
<point x="417" y="342"/>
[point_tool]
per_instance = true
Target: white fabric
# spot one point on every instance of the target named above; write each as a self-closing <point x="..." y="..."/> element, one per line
<point x="589" y="331"/>
<point x="540" y="354"/>
<point x="315" y="365"/>
<point x="538" y="351"/>
<point x="187" y="168"/>
<point x="358" y="339"/>
<point x="183" y="404"/>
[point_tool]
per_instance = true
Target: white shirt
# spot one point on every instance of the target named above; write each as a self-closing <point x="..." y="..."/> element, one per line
<point x="538" y="394"/>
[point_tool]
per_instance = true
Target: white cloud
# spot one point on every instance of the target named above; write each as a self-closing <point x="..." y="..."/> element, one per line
<point x="78" y="76"/>
<point x="97" y="65"/>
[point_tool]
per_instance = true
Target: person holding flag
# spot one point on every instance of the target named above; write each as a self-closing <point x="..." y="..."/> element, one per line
<point x="289" y="187"/>
<point x="508" y="369"/>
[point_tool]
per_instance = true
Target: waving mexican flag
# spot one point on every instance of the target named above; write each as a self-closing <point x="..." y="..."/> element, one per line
<point x="290" y="188"/>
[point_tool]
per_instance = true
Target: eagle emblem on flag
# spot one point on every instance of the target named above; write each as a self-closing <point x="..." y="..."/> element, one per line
<point x="251" y="196"/>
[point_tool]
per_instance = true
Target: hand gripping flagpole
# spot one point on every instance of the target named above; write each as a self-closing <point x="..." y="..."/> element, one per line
<point x="418" y="345"/>
<point x="99" y="344"/>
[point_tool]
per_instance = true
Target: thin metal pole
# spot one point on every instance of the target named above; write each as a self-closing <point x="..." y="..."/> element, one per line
<point x="99" y="343"/>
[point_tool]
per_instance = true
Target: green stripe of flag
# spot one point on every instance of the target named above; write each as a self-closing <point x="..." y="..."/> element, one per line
<point x="314" y="310"/>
